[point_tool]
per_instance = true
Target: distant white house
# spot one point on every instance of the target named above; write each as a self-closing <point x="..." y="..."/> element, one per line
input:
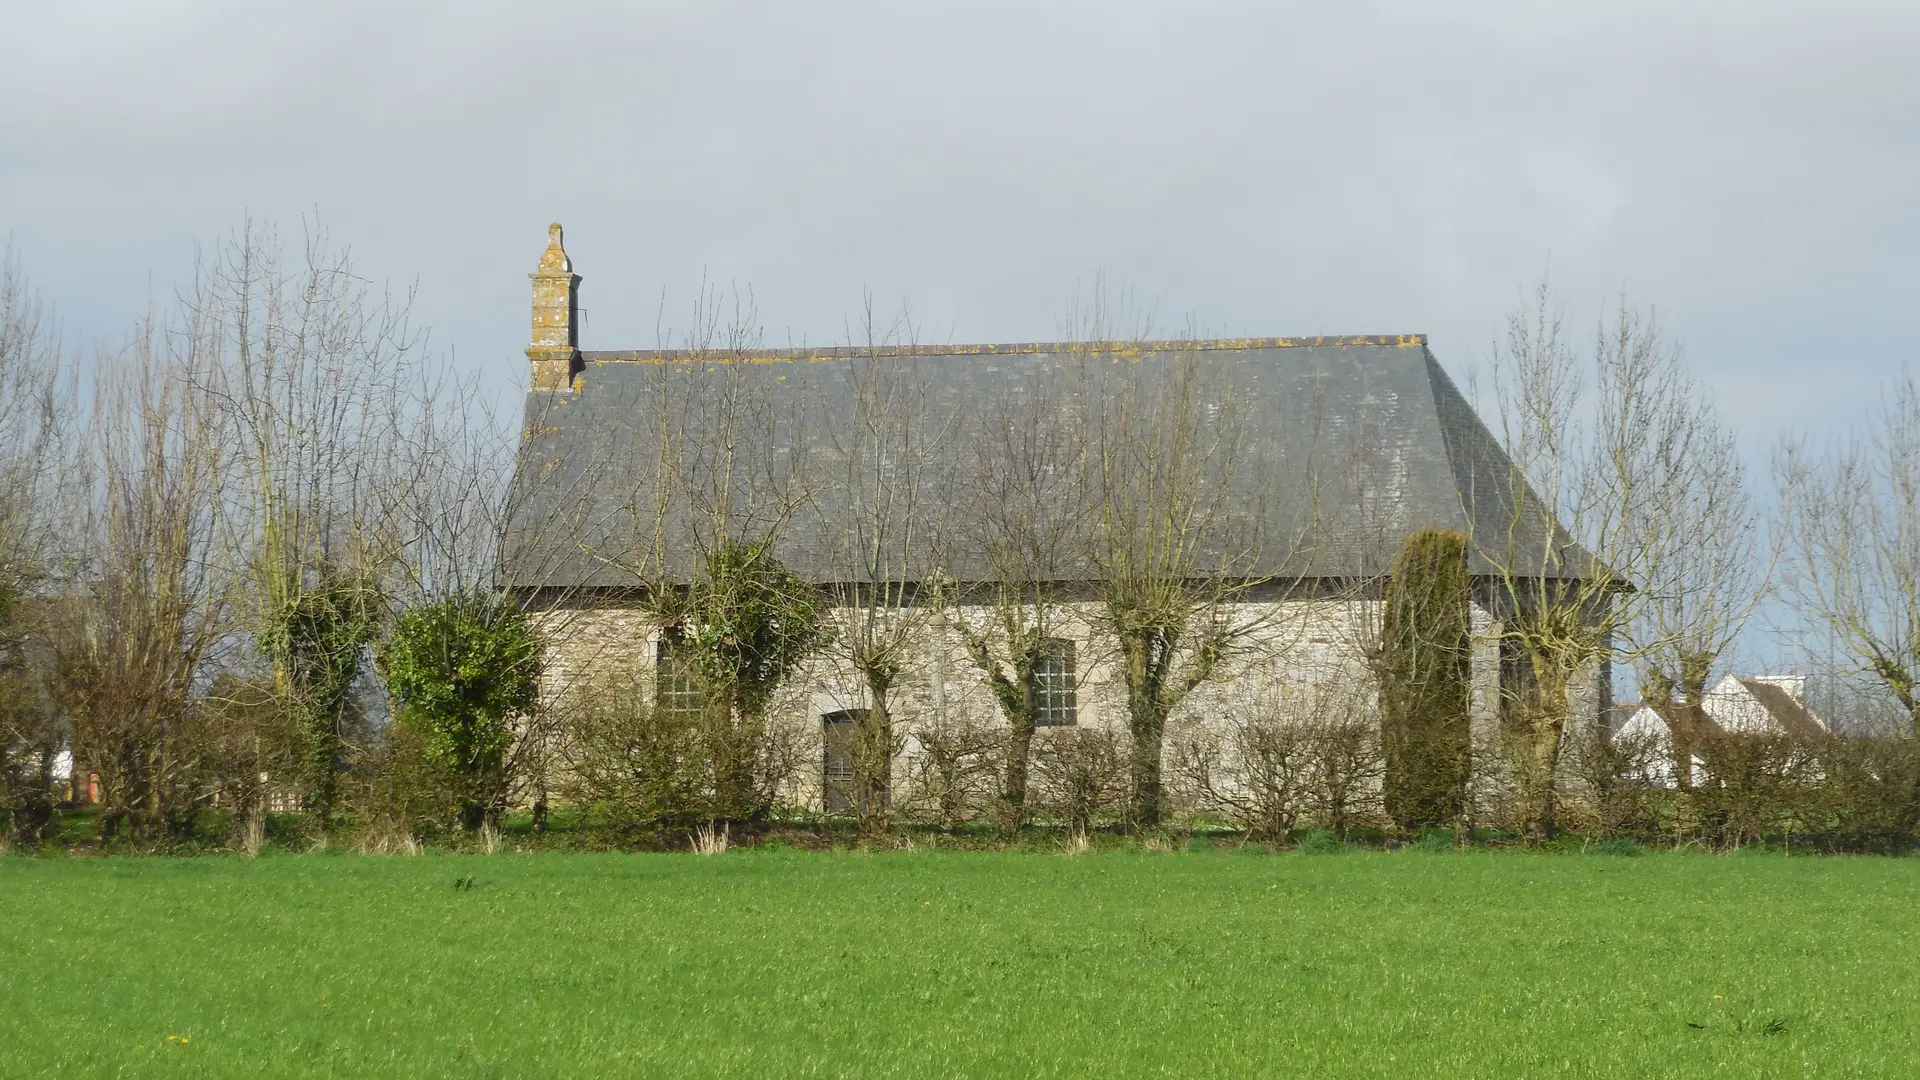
<point x="1755" y="705"/>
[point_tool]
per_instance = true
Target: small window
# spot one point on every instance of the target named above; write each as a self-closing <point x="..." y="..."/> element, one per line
<point x="674" y="689"/>
<point x="1517" y="683"/>
<point x="1054" y="688"/>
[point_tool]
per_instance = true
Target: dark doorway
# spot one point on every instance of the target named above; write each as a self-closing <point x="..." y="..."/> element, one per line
<point x="840" y="788"/>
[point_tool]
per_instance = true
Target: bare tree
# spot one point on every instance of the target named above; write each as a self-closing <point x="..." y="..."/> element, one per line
<point x="1711" y="565"/>
<point x="1027" y="515"/>
<point x="884" y="525"/>
<point x="1599" y="448"/>
<point x="158" y="589"/>
<point x="1851" y="520"/>
<point x="1176" y="536"/>
<point x="34" y="417"/>
<point x="322" y="387"/>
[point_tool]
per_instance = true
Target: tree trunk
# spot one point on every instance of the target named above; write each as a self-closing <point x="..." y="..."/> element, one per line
<point x="1684" y="731"/>
<point x="1147" y="653"/>
<point x="1014" y="694"/>
<point x="1013" y="779"/>
<point x="324" y="750"/>
<point x="1546" y="728"/>
<point x="1683" y="743"/>
<point x="1149" y="734"/>
<point x="873" y="762"/>
<point x="1686" y="741"/>
<point x="732" y="749"/>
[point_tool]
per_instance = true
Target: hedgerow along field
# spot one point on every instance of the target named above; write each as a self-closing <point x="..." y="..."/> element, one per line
<point x="770" y="963"/>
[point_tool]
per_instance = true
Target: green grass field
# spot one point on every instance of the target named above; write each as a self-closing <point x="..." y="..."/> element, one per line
<point x="761" y="963"/>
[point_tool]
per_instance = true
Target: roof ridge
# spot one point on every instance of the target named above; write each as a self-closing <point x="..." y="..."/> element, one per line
<point x="1104" y="348"/>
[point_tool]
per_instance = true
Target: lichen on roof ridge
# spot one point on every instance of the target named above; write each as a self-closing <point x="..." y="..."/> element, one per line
<point x="1030" y="348"/>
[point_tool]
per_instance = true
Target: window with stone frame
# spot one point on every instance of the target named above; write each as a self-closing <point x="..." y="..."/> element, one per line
<point x="675" y="691"/>
<point x="1055" y="686"/>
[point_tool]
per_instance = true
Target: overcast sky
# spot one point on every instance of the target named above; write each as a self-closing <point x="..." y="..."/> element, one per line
<point x="1751" y="168"/>
<point x="1270" y="168"/>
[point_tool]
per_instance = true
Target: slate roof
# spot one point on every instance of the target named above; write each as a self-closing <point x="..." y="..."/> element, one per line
<point x="1362" y="440"/>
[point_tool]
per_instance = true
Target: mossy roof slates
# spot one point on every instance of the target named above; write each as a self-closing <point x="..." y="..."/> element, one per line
<point x="1366" y="433"/>
<point x="1026" y="348"/>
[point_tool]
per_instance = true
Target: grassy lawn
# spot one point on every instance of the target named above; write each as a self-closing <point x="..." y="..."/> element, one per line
<point x="762" y="963"/>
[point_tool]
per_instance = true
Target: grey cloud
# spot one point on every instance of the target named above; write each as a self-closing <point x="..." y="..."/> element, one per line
<point x="1270" y="168"/>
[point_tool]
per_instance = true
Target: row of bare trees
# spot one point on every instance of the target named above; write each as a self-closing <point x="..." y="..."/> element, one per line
<point x="1653" y="548"/>
<point x="211" y="531"/>
<point x="1095" y="498"/>
<point x="211" y="535"/>
<point x="869" y="514"/>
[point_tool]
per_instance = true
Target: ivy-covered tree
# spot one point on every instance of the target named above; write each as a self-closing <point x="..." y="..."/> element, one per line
<point x="461" y="671"/>
<point x="1424" y="666"/>
<point x="744" y="625"/>
<point x="315" y="638"/>
<point x="1025" y="516"/>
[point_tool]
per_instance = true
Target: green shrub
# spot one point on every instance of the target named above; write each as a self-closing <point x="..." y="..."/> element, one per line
<point x="1867" y="797"/>
<point x="462" y="669"/>
<point x="641" y="767"/>
<point x="1756" y="785"/>
<point x="1321" y="842"/>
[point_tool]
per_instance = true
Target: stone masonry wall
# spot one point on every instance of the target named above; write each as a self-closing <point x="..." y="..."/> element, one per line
<point x="1305" y="651"/>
